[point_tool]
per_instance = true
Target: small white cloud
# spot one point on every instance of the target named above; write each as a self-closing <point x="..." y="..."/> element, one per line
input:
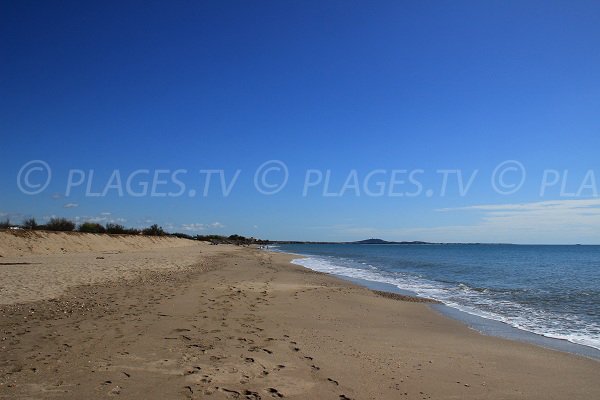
<point x="540" y="206"/>
<point x="193" y="227"/>
<point x="201" y="227"/>
<point x="106" y="213"/>
<point x="255" y="226"/>
<point x="100" y="219"/>
<point x="552" y="221"/>
<point x="87" y="218"/>
<point x="56" y="196"/>
<point x="71" y="205"/>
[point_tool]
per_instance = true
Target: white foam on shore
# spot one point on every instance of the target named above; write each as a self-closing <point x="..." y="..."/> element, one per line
<point x="464" y="299"/>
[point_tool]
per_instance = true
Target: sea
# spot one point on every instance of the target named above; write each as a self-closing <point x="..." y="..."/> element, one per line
<point x="549" y="295"/>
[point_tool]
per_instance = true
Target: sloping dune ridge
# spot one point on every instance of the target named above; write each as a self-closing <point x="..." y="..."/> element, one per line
<point x="26" y="243"/>
<point x="37" y="265"/>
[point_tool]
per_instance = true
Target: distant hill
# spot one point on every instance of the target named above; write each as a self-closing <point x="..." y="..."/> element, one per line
<point x="366" y="241"/>
<point x="370" y="241"/>
<point x="381" y="241"/>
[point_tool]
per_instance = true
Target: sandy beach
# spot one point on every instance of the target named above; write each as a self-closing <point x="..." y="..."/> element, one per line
<point x="181" y="319"/>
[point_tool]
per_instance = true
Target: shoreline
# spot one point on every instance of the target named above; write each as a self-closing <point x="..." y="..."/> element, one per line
<point x="487" y="326"/>
<point x="483" y="325"/>
<point x="243" y="323"/>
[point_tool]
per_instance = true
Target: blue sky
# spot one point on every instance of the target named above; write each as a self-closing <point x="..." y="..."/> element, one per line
<point x="341" y="86"/>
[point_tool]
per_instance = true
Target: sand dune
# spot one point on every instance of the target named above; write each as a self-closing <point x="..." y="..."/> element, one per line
<point x="25" y="243"/>
<point x="43" y="265"/>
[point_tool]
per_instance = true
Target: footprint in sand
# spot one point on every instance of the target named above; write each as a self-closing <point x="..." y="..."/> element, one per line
<point x="193" y="370"/>
<point x="231" y="393"/>
<point x="274" y="392"/>
<point x="188" y="391"/>
<point x="251" y="395"/>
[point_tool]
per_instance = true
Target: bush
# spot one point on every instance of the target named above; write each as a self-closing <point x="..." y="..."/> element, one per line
<point x="238" y="238"/>
<point x="210" y="238"/>
<point x="91" y="227"/>
<point x="154" y="230"/>
<point x="5" y="224"/>
<point x="30" y="224"/>
<point x="115" y="228"/>
<point x="60" y="224"/>
<point x="181" y="235"/>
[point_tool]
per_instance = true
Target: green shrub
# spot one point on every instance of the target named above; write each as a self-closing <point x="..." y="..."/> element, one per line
<point x="154" y="230"/>
<point x="210" y="238"/>
<point x="5" y="224"/>
<point x="91" y="227"/>
<point x="238" y="238"/>
<point x="60" y="224"/>
<point x="181" y="235"/>
<point x="115" y="228"/>
<point x="30" y="223"/>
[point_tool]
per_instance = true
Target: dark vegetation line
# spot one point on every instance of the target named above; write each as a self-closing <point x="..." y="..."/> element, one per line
<point x="66" y="225"/>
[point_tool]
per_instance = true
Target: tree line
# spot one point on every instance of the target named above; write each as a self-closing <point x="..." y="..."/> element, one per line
<point x="66" y="225"/>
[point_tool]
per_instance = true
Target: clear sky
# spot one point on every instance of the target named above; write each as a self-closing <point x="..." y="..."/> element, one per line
<point x="340" y="92"/>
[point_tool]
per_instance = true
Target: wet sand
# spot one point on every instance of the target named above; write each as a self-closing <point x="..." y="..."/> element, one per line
<point x="223" y="322"/>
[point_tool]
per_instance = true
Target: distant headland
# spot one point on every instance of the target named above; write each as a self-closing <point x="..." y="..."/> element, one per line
<point x="371" y="241"/>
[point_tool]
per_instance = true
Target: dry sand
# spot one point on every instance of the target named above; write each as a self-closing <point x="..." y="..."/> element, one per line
<point x="222" y="322"/>
<point x="21" y="243"/>
<point x="38" y="265"/>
